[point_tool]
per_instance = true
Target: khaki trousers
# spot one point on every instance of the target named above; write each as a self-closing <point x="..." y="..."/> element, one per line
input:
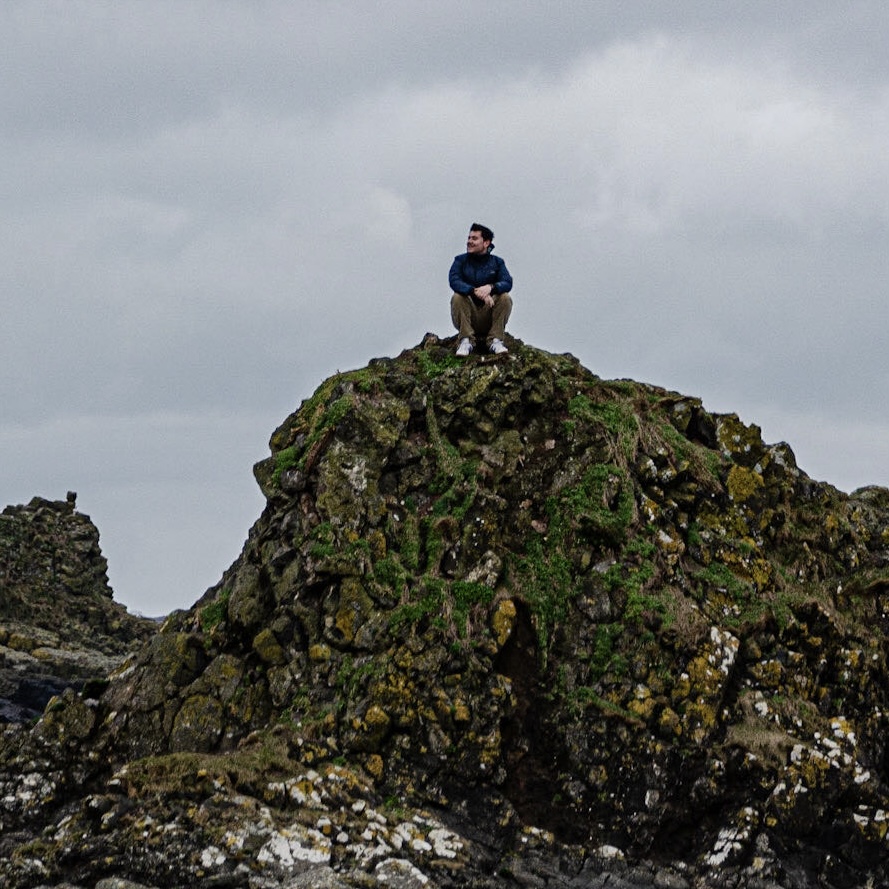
<point x="473" y="321"/>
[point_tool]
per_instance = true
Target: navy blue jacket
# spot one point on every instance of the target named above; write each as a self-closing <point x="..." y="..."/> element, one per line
<point x="471" y="270"/>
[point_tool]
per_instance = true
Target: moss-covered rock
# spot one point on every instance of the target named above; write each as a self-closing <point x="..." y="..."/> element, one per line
<point x="589" y="622"/>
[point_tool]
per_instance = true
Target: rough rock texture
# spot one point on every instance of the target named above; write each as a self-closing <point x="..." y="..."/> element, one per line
<point x="59" y="625"/>
<point x="501" y="623"/>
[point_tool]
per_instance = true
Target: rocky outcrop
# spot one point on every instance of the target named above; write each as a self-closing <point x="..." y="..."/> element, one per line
<point x="59" y="625"/>
<point x="501" y="623"/>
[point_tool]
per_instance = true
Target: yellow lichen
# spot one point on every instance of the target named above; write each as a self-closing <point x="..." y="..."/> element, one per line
<point x="319" y="652"/>
<point x="743" y="483"/>
<point x="642" y="708"/>
<point x="374" y="765"/>
<point x="669" y="722"/>
<point x="503" y="621"/>
<point x="267" y="647"/>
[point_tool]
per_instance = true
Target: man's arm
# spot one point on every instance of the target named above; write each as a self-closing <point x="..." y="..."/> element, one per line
<point x="456" y="280"/>
<point x="503" y="284"/>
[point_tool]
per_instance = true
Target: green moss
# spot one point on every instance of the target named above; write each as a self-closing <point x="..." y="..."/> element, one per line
<point x="323" y="545"/>
<point x="639" y="604"/>
<point x="588" y="504"/>
<point x="431" y="367"/>
<point x="300" y="705"/>
<point x="625" y="387"/>
<point x="433" y="541"/>
<point x="366" y="379"/>
<point x="353" y="675"/>
<point x="713" y="464"/>
<point x="585" y="696"/>
<point x="248" y="767"/>
<point x="720" y="577"/>
<point x="581" y="407"/>
<point x="701" y="462"/>
<point x="456" y="480"/>
<point x="604" y="653"/>
<point x="330" y="419"/>
<point x="546" y="583"/>
<point x="630" y="575"/>
<point x="395" y="808"/>
<point x="286" y="459"/>
<point x="446" y="604"/>
<point x="215" y="612"/>
<point x="390" y="573"/>
<point x="465" y="596"/>
<point x="617" y="418"/>
<point x="318" y="418"/>
<point x="741" y="603"/>
<point x="446" y="455"/>
<point x="410" y="541"/>
<point x="427" y="602"/>
<point x="677" y="442"/>
<point x="43" y="850"/>
<point x="544" y="575"/>
<point x="457" y="500"/>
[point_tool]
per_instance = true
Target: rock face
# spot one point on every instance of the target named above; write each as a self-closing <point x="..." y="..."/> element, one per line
<point x="59" y="625"/>
<point x="501" y="623"/>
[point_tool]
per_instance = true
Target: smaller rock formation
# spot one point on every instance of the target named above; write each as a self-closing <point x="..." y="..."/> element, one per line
<point x="59" y="625"/>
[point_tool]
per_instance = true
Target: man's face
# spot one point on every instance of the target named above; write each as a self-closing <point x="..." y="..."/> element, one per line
<point x="475" y="243"/>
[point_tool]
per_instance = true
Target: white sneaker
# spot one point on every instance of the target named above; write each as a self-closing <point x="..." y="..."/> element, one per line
<point x="497" y="347"/>
<point x="465" y="347"/>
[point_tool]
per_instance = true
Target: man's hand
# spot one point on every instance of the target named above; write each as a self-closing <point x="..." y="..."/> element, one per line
<point x="484" y="294"/>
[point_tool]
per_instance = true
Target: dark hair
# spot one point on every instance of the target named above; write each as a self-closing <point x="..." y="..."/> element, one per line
<point x="486" y="233"/>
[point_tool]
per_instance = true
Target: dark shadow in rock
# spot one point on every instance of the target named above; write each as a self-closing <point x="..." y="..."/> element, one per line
<point x="532" y="761"/>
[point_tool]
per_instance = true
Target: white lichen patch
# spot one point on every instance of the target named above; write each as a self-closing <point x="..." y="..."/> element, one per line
<point x="445" y="843"/>
<point x="732" y="840"/>
<point x="401" y="873"/>
<point x="356" y="474"/>
<point x="872" y="823"/>
<point x="862" y="775"/>
<point x="610" y="852"/>
<point x="842" y="730"/>
<point x="212" y="857"/>
<point x="295" y="843"/>
<point x="726" y="648"/>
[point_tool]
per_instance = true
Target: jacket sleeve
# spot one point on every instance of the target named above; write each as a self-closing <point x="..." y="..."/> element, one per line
<point x="503" y="284"/>
<point x="455" y="278"/>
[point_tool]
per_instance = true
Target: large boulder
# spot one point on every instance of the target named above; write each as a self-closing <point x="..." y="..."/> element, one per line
<point x="501" y="623"/>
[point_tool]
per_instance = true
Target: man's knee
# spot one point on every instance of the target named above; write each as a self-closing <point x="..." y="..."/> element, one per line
<point x="461" y="314"/>
<point x="503" y="306"/>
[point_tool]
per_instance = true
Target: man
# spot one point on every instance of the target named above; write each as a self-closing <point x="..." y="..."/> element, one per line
<point x="480" y="304"/>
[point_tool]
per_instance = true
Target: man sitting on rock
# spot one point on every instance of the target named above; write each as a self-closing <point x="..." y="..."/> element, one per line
<point x="480" y="304"/>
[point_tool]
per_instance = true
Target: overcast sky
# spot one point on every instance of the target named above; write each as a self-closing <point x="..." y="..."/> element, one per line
<point x="210" y="207"/>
